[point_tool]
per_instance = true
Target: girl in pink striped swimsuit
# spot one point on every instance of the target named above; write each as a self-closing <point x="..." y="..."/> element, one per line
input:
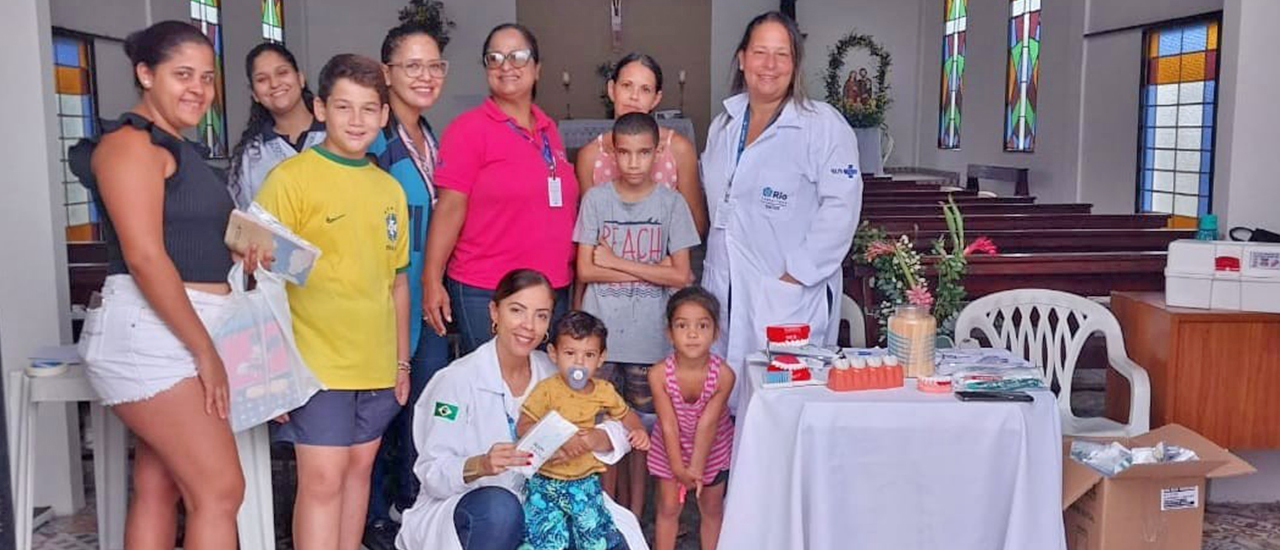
<point x="691" y="442"/>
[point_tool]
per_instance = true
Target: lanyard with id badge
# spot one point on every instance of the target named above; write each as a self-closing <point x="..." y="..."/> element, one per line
<point x="727" y="205"/>
<point x="555" y="195"/>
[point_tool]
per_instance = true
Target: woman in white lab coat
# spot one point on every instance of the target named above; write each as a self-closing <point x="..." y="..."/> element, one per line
<point x="464" y="428"/>
<point x="784" y="193"/>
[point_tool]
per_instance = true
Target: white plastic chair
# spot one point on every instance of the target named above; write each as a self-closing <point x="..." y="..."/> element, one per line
<point x="1049" y="328"/>
<point x="852" y="314"/>
<point x="110" y="461"/>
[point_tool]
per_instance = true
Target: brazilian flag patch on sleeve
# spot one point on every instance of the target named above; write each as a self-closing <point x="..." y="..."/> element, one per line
<point x="447" y="411"/>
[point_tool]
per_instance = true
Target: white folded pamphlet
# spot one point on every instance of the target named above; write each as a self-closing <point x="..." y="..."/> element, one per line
<point x="543" y="439"/>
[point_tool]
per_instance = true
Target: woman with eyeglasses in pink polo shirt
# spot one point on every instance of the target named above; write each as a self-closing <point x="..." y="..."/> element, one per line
<point x="508" y="197"/>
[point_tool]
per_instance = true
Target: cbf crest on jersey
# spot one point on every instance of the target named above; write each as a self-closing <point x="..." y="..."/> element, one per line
<point x="393" y="227"/>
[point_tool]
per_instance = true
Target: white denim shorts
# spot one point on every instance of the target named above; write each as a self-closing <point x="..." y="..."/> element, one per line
<point x="129" y="352"/>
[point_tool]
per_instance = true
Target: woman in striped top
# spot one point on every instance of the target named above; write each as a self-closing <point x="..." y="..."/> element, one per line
<point x="692" y="440"/>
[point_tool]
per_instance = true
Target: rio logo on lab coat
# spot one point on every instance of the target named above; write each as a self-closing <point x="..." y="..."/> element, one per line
<point x="773" y="200"/>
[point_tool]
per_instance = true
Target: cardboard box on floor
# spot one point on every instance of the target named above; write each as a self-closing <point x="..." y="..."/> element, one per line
<point x="1147" y="506"/>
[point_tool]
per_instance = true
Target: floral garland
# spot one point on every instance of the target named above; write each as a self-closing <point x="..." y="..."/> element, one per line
<point x="860" y="115"/>
<point x="899" y="276"/>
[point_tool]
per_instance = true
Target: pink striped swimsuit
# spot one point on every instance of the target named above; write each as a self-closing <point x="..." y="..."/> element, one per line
<point x="687" y="415"/>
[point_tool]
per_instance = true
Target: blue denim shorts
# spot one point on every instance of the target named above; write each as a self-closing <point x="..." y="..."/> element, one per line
<point x="339" y="418"/>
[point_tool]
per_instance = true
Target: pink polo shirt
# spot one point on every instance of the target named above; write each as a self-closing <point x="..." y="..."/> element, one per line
<point x="510" y="224"/>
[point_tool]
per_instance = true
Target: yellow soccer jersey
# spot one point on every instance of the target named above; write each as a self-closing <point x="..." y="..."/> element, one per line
<point x="344" y="318"/>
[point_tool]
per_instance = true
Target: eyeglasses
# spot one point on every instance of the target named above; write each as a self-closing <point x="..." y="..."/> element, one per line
<point x="518" y="58"/>
<point x="414" y="69"/>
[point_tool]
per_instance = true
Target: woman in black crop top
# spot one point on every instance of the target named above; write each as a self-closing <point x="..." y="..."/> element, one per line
<point x="147" y="348"/>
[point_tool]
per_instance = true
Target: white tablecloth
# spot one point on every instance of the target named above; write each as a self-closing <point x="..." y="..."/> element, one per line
<point x="893" y="470"/>
<point x="576" y="132"/>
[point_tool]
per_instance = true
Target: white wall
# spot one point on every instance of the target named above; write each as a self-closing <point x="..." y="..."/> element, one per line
<point x="895" y="25"/>
<point x="113" y="18"/>
<point x="1263" y="486"/>
<point x="1108" y="164"/>
<point x="1053" y="164"/>
<point x="1107" y="15"/>
<point x="728" y="19"/>
<point x="466" y="86"/>
<point x="33" y="296"/>
<point x="243" y="32"/>
<point x="1246" y="192"/>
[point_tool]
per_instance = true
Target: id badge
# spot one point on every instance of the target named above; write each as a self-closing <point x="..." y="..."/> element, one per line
<point x="724" y="213"/>
<point x="555" y="198"/>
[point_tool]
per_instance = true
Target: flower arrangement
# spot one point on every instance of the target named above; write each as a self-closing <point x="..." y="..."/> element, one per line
<point x="865" y="104"/>
<point x="899" y="277"/>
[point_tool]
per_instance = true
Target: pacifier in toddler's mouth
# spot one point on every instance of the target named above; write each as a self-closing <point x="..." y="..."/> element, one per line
<point x="578" y="376"/>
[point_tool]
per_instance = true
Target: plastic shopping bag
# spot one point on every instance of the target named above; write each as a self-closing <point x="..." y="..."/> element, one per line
<point x="265" y="371"/>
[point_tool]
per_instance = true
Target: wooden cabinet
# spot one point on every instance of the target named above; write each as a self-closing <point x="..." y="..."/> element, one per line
<point x="1216" y="372"/>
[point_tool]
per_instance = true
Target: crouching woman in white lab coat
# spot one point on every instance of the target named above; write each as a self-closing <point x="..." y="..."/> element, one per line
<point x="464" y="427"/>
<point x="784" y="194"/>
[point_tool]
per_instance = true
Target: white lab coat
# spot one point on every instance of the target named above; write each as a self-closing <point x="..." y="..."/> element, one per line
<point x="262" y="154"/>
<point x="793" y="203"/>
<point x="474" y="384"/>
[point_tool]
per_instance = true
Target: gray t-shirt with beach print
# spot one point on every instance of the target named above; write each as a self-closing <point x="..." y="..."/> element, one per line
<point x="644" y="231"/>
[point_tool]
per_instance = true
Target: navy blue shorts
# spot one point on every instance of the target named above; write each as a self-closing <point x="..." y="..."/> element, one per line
<point x="339" y="418"/>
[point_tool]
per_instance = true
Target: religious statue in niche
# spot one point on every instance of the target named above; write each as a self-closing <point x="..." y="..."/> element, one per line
<point x="862" y="96"/>
<point x="857" y="88"/>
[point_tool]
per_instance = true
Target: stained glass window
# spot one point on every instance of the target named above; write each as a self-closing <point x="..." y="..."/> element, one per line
<point x="273" y="20"/>
<point x="1180" y="77"/>
<point x="212" y="129"/>
<point x="956" y="16"/>
<point x="1023" y="82"/>
<point x="73" y="78"/>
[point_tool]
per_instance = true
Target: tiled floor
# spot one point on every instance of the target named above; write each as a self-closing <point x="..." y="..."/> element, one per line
<point x="1227" y="527"/>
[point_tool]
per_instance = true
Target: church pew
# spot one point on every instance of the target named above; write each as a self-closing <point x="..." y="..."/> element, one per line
<point x="932" y="193"/>
<point x="1010" y="241"/>
<point x="1086" y="274"/>
<point x="907" y="209"/>
<point x="917" y="178"/>
<point x="882" y="185"/>
<point x="87" y="269"/>
<point x="931" y="198"/>
<point x="988" y="222"/>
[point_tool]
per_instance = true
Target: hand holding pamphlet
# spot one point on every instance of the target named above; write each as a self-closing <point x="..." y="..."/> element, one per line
<point x="543" y="439"/>
<point x="294" y="257"/>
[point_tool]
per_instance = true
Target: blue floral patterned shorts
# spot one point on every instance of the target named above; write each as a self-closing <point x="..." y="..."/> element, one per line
<point x="560" y="514"/>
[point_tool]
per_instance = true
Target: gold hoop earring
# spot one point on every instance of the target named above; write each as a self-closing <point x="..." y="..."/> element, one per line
<point x="546" y="337"/>
<point x="493" y="329"/>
